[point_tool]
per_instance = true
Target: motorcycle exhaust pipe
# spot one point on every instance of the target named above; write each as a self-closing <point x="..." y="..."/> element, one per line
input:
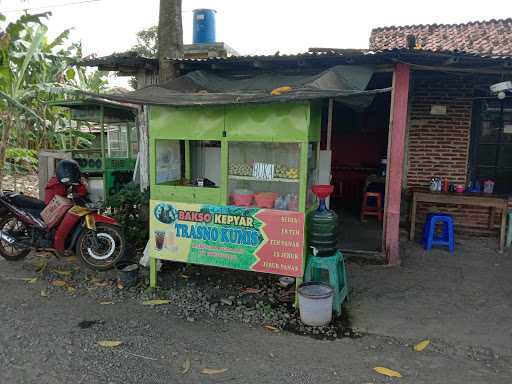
<point x="7" y="238"/>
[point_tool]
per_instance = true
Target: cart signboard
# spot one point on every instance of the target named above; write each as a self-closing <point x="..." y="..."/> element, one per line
<point x="246" y="238"/>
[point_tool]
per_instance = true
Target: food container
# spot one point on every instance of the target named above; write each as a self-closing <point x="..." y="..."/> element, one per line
<point x="242" y="197"/>
<point x="488" y="186"/>
<point x="459" y="188"/>
<point x="281" y="203"/>
<point x="55" y="210"/>
<point x="293" y="202"/>
<point x="265" y="199"/>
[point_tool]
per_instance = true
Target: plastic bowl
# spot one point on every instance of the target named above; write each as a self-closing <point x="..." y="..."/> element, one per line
<point x="286" y="281"/>
<point x="265" y="199"/>
<point x="242" y="200"/>
<point x="322" y="190"/>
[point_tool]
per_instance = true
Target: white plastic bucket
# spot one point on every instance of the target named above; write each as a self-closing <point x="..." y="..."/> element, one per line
<point x="315" y="303"/>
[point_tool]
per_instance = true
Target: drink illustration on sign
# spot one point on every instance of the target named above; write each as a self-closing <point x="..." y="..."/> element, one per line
<point x="166" y="239"/>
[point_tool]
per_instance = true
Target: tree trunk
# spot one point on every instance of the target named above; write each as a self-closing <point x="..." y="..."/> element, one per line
<point x="142" y="118"/>
<point x="3" y="145"/>
<point x="170" y="38"/>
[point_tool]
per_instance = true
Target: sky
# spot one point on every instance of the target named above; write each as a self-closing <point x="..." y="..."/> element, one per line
<point x="254" y="27"/>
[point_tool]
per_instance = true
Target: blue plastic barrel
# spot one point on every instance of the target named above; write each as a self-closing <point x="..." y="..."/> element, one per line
<point x="204" y="26"/>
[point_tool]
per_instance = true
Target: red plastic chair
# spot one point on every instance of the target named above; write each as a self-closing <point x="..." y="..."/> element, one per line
<point x="371" y="210"/>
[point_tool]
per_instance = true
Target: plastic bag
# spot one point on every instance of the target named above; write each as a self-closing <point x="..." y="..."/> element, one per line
<point x="144" y="260"/>
<point x="281" y="203"/>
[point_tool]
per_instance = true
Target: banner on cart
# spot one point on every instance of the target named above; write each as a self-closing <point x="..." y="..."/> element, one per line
<point x="251" y="239"/>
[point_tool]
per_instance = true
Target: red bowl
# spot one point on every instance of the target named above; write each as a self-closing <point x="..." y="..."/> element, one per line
<point x="265" y="199"/>
<point x="242" y="200"/>
<point x="322" y="190"/>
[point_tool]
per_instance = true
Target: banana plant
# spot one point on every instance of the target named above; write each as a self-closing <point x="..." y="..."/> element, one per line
<point x="14" y="72"/>
<point x="33" y="71"/>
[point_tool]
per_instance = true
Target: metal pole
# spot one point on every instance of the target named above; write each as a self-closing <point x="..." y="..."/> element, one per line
<point x="129" y="139"/>
<point x="329" y="124"/>
<point x="102" y="143"/>
<point x="70" y="133"/>
<point x="78" y="125"/>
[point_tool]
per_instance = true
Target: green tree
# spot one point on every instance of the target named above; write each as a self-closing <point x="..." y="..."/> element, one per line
<point x="19" y="45"/>
<point x="147" y="43"/>
<point x="34" y="71"/>
<point x="147" y="46"/>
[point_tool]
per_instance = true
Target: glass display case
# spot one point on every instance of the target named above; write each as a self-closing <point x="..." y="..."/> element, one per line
<point x="191" y="163"/>
<point x="265" y="175"/>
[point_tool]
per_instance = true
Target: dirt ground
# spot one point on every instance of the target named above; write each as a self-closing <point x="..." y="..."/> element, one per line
<point x="461" y="303"/>
<point x="464" y="298"/>
<point x="49" y="334"/>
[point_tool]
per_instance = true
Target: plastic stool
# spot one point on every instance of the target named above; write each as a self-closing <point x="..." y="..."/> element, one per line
<point x="371" y="210"/>
<point x="447" y="238"/>
<point x="334" y="267"/>
<point x="509" y="231"/>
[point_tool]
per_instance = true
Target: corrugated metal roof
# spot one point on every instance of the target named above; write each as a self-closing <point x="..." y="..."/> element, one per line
<point x="333" y="52"/>
<point x="332" y="56"/>
<point x="128" y="59"/>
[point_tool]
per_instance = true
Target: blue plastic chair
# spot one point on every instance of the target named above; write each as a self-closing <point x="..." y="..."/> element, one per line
<point x="447" y="237"/>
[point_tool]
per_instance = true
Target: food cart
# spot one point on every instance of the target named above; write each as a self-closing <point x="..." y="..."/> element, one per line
<point x="109" y="163"/>
<point x="231" y="185"/>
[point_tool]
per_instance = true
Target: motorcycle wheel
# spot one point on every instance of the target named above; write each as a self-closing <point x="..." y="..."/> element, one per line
<point x="104" y="251"/>
<point x="10" y="224"/>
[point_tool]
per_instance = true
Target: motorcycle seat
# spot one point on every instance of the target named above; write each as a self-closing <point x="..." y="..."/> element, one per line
<point x="27" y="202"/>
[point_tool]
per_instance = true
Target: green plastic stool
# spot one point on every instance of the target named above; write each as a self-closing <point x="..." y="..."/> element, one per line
<point x="509" y="231"/>
<point x="330" y="270"/>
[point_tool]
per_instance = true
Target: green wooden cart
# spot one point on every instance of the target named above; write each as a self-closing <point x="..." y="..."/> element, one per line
<point x="110" y="163"/>
<point x="230" y="185"/>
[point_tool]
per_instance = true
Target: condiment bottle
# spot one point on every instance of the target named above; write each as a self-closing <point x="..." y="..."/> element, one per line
<point x="446" y="185"/>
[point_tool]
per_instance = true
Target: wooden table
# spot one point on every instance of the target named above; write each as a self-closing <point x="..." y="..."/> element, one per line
<point x="491" y="201"/>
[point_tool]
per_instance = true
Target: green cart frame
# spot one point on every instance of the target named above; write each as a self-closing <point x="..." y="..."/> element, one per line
<point x="111" y="162"/>
<point x="221" y="132"/>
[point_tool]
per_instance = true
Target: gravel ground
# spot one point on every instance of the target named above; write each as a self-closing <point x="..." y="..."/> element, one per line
<point x="28" y="184"/>
<point x="49" y="332"/>
<point x="196" y="292"/>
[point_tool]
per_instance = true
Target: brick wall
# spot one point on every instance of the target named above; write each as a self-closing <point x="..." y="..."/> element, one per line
<point x="439" y="145"/>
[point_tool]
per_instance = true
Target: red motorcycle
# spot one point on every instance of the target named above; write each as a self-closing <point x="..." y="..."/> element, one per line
<point x="97" y="240"/>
